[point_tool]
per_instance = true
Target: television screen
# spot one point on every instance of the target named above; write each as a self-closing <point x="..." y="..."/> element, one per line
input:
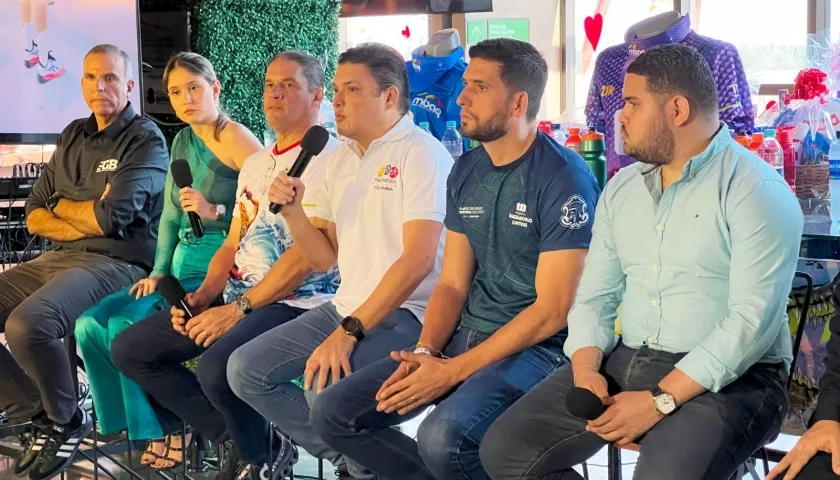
<point x="460" y="6"/>
<point x="42" y="47"/>
<point x="352" y="8"/>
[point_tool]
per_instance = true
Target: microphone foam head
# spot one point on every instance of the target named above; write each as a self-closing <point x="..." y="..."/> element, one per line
<point x="584" y="404"/>
<point x="171" y="289"/>
<point x="315" y="140"/>
<point x="181" y="174"/>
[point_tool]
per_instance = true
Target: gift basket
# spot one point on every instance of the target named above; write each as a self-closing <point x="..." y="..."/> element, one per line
<point x="808" y="117"/>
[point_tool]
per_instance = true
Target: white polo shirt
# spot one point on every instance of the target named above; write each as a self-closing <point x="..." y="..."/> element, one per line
<point x="401" y="177"/>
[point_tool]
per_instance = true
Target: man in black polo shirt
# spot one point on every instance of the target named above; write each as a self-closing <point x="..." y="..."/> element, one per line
<point x="99" y="202"/>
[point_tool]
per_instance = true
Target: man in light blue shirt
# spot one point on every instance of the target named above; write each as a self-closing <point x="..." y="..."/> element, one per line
<point x="698" y="244"/>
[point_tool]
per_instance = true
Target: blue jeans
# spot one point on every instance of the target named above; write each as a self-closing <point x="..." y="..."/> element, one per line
<point x="447" y="443"/>
<point x="261" y="372"/>
<point x="707" y="438"/>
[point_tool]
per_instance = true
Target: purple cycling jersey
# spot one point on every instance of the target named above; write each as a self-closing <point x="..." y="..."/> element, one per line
<point x="605" y="98"/>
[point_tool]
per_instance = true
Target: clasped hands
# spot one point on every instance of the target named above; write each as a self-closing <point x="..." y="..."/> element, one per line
<point x="628" y="416"/>
<point x="419" y="380"/>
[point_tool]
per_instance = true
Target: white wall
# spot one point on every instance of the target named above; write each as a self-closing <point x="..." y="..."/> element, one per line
<point x="545" y="30"/>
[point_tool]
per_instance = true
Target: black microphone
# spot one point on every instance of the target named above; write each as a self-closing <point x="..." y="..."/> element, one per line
<point x="584" y="404"/>
<point x="174" y="293"/>
<point x="182" y="176"/>
<point x="312" y="144"/>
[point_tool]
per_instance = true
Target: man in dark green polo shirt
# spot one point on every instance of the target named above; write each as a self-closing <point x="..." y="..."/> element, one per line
<point x="98" y="201"/>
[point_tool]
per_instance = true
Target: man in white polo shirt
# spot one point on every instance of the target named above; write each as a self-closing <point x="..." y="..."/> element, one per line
<point x="381" y="219"/>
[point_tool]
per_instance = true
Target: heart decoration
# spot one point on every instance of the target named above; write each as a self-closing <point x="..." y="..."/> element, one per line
<point x="407" y="32"/>
<point x="593" y="26"/>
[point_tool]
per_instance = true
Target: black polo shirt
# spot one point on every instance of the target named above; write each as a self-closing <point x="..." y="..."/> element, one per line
<point x="131" y="156"/>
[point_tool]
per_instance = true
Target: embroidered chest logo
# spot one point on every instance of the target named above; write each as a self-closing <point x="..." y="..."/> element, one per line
<point x="471" y="212"/>
<point x="575" y="214"/>
<point x="386" y="178"/>
<point x="519" y="217"/>
<point x="107" y="165"/>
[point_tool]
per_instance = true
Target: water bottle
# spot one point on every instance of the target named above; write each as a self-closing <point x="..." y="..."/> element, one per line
<point x="771" y="152"/>
<point x="452" y="141"/>
<point x="425" y="127"/>
<point x="557" y="133"/>
<point x="834" y="160"/>
<point x="574" y="139"/>
<point x="592" y="148"/>
<point x="330" y="127"/>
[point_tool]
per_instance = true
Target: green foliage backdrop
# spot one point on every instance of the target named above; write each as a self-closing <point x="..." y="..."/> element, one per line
<point x="240" y="37"/>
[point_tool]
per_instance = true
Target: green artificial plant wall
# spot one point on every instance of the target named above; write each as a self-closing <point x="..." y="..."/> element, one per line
<point x="240" y="37"/>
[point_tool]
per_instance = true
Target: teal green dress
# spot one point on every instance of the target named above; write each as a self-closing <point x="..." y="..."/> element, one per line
<point x="120" y="403"/>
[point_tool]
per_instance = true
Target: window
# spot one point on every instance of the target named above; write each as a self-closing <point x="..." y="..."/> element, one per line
<point x="618" y="16"/>
<point x="773" y="49"/>
<point x="386" y="29"/>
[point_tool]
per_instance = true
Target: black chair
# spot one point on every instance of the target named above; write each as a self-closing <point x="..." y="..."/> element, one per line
<point x="766" y="455"/>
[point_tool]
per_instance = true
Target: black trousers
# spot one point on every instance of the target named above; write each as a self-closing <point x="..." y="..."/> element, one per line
<point x="819" y="468"/>
<point x="40" y="301"/>
<point x="152" y="353"/>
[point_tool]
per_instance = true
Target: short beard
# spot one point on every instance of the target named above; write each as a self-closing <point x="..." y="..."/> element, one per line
<point x="488" y="131"/>
<point x="658" y="148"/>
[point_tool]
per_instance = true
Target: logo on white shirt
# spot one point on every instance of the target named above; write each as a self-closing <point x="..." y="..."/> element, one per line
<point x="575" y="214"/>
<point x="386" y="178"/>
<point x="107" y="165"/>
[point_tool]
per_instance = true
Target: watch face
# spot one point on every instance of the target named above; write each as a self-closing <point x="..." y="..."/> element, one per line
<point x="665" y="403"/>
<point x="350" y="325"/>
<point x="221" y="210"/>
<point x="243" y="304"/>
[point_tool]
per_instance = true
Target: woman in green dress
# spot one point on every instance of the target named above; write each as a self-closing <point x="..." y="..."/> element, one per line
<point x="215" y="148"/>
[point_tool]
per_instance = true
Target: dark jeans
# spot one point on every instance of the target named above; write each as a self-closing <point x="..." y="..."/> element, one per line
<point x="262" y="371"/>
<point x="707" y="438"/>
<point x="819" y="468"/>
<point x="446" y="448"/>
<point x="152" y="353"/>
<point x="40" y="301"/>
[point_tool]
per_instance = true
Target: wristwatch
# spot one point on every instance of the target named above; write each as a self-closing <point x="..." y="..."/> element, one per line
<point x="52" y="202"/>
<point x="353" y="326"/>
<point x="243" y="304"/>
<point x="663" y="401"/>
<point x="220" y="212"/>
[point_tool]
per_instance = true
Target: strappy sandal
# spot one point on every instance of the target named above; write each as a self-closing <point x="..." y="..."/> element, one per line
<point x="173" y="462"/>
<point x="151" y="453"/>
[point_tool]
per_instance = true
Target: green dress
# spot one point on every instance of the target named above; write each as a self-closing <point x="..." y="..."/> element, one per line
<point x="119" y="402"/>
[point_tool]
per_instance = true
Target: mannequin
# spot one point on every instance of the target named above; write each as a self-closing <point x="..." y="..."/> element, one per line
<point x="435" y="76"/>
<point x="605" y="102"/>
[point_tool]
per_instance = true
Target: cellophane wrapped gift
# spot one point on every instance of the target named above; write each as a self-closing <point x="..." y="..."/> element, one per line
<point x="814" y="116"/>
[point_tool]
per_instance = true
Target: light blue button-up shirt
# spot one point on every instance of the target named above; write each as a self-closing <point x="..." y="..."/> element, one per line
<point x="704" y="267"/>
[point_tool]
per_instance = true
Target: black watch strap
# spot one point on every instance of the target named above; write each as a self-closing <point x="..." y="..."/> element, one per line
<point x="656" y="391"/>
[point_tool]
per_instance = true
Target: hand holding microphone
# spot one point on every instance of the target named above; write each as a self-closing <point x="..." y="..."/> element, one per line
<point x="287" y="189"/>
<point x="174" y="293"/>
<point x="182" y="177"/>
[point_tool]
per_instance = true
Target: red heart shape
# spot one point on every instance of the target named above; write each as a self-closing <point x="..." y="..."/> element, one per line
<point x="593" y="26"/>
<point x="407" y="32"/>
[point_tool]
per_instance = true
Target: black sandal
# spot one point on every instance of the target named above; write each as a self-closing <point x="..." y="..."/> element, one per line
<point x="155" y="456"/>
<point x="175" y="463"/>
